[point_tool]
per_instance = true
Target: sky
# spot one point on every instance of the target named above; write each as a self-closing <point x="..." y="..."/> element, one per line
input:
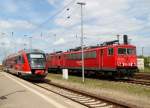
<point x="54" y="25"/>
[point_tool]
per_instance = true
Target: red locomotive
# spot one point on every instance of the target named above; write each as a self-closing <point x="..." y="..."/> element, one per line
<point x="29" y="64"/>
<point x="110" y="59"/>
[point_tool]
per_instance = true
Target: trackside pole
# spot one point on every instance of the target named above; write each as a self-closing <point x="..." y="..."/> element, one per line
<point x="81" y="4"/>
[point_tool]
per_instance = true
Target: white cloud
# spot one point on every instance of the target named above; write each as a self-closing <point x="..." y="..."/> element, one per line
<point x="105" y="19"/>
<point x="16" y="24"/>
<point x="108" y="15"/>
<point x="52" y="2"/>
<point x="5" y="24"/>
<point x="60" y="41"/>
<point x="93" y="9"/>
<point x="23" y="24"/>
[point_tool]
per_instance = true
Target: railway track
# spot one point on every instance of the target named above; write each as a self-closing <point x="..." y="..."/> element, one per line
<point x="138" y="81"/>
<point x="82" y="97"/>
<point x="142" y="75"/>
<point x="140" y="78"/>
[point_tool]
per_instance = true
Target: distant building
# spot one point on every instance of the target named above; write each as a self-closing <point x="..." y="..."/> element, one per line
<point x="140" y="63"/>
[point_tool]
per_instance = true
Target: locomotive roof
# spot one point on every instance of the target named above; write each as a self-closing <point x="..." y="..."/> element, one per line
<point x="25" y="51"/>
<point x="32" y="51"/>
<point x="91" y="48"/>
<point x="98" y="47"/>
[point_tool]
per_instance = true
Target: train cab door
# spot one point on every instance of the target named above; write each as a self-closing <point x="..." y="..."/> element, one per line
<point x="20" y="63"/>
<point x="101" y="58"/>
<point x="60" y="60"/>
<point x="110" y="58"/>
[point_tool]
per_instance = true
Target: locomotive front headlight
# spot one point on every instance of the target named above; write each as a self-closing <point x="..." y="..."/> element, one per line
<point x="120" y="64"/>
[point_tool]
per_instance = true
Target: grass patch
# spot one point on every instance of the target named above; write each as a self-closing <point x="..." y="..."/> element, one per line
<point x="103" y="84"/>
<point x="147" y="69"/>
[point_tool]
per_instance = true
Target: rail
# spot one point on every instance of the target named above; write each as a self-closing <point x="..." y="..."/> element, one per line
<point x="83" y="97"/>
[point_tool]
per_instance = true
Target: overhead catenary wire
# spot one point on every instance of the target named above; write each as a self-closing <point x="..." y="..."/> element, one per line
<point x="66" y="7"/>
<point x="70" y="26"/>
<point x="54" y="15"/>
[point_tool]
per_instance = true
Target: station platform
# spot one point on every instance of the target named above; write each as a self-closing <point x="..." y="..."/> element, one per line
<point x="18" y="93"/>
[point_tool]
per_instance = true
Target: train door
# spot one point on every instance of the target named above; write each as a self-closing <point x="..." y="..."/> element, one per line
<point x="59" y="60"/>
<point x="101" y="58"/>
<point x="20" y="63"/>
<point x="110" y="58"/>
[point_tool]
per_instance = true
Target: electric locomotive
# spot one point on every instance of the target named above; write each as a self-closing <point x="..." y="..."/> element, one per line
<point x="109" y="59"/>
<point x="29" y="64"/>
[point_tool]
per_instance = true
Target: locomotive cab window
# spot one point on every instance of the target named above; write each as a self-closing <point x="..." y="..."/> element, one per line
<point x="122" y="51"/>
<point x="59" y="57"/>
<point x="110" y="51"/>
<point x="130" y="51"/>
<point x="36" y="60"/>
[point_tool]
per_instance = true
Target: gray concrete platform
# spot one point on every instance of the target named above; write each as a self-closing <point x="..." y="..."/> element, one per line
<point x="18" y="93"/>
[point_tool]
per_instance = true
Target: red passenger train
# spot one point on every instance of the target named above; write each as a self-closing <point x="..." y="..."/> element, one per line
<point x="29" y="64"/>
<point x="109" y="59"/>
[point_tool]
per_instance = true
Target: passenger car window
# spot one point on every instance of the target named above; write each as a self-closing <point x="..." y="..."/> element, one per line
<point x="20" y="60"/>
<point x="90" y="54"/>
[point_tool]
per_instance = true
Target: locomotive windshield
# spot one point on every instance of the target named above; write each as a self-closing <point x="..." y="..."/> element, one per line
<point x="128" y="51"/>
<point x="36" y="60"/>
